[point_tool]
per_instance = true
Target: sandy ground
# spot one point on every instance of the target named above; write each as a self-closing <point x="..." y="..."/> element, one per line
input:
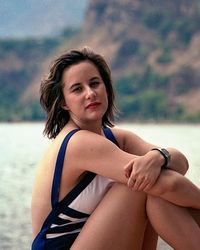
<point x="163" y="245"/>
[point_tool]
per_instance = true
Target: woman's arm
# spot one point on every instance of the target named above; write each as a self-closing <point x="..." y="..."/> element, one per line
<point x="88" y="151"/>
<point x="133" y="144"/>
<point x="99" y="155"/>
<point x="170" y="185"/>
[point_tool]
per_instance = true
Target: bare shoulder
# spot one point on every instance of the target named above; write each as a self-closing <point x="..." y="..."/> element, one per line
<point x="131" y="142"/>
<point x="84" y="140"/>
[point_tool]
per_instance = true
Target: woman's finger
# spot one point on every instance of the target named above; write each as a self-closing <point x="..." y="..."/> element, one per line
<point x="131" y="182"/>
<point x="142" y="185"/>
<point x="128" y="169"/>
<point x="139" y="183"/>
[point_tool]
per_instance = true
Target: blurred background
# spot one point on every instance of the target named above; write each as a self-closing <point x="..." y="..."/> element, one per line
<point x="153" y="49"/>
<point x="152" y="46"/>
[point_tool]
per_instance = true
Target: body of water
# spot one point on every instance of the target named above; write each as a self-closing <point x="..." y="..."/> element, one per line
<point x="21" y="147"/>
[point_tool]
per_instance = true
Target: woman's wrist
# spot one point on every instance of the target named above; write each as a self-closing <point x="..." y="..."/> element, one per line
<point x="166" y="155"/>
<point x="157" y="158"/>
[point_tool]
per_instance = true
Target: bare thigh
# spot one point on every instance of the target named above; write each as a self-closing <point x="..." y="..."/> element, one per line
<point x="117" y="223"/>
<point x="195" y="214"/>
<point x="174" y="224"/>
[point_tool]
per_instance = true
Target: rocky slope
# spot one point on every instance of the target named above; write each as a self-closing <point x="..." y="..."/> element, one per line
<point x="138" y="37"/>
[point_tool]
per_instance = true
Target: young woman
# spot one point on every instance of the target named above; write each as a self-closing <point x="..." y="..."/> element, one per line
<point x="96" y="187"/>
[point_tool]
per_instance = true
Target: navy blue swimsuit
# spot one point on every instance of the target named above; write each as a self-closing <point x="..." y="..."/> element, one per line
<point x="63" y="224"/>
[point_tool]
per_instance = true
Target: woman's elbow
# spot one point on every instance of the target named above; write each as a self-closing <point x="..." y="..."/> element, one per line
<point x="179" y="162"/>
<point x="183" y="163"/>
<point x="186" y="166"/>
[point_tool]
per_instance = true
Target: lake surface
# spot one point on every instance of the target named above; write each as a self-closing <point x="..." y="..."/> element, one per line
<point x="22" y="145"/>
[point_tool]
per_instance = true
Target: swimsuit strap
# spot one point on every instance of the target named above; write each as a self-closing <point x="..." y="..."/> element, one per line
<point x="109" y="135"/>
<point x="58" y="168"/>
<point x="89" y="176"/>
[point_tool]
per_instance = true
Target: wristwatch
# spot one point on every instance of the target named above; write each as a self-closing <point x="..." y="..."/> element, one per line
<point x="165" y="153"/>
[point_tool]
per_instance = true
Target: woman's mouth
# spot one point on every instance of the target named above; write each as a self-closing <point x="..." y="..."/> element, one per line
<point x="93" y="105"/>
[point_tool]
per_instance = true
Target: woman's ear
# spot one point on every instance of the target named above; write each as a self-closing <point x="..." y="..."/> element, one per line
<point x="64" y="106"/>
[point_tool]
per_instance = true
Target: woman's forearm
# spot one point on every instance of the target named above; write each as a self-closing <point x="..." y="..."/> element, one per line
<point x="177" y="189"/>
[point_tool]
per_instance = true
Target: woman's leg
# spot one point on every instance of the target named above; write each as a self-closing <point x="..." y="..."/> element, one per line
<point x="195" y="214"/>
<point x="174" y="224"/>
<point x="117" y="223"/>
<point x="150" y="238"/>
<point x="174" y="187"/>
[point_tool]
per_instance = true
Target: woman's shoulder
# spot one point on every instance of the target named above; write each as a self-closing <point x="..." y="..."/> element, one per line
<point x="130" y="141"/>
<point x="120" y="135"/>
<point x="84" y="139"/>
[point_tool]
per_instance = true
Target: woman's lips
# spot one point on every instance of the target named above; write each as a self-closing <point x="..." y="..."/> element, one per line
<point x="92" y="104"/>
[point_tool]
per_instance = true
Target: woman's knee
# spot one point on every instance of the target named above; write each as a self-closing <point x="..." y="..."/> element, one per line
<point x="132" y="196"/>
<point x="174" y="182"/>
<point x="132" y="204"/>
<point x="168" y="182"/>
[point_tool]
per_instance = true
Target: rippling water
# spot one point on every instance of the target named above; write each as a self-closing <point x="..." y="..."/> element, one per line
<point x="22" y="145"/>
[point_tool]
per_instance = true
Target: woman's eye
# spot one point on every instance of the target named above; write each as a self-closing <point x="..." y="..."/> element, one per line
<point x="77" y="89"/>
<point x="94" y="84"/>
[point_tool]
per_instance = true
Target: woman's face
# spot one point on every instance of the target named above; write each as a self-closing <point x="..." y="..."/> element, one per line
<point x="85" y="96"/>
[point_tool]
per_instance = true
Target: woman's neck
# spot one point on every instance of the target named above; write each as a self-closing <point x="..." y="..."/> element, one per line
<point x="95" y="127"/>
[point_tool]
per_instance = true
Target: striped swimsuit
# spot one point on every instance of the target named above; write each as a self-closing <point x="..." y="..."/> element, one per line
<point x="68" y="216"/>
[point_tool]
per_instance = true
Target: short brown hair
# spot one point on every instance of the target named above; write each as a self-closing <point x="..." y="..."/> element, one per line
<point x="51" y="97"/>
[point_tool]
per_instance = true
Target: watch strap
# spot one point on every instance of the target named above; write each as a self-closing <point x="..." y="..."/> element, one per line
<point x="165" y="153"/>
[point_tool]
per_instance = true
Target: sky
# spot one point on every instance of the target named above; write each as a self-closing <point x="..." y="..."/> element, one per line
<point x="22" y="18"/>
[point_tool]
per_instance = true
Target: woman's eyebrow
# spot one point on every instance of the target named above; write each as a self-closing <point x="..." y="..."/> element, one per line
<point x="95" y="78"/>
<point x="78" y="83"/>
<point x="74" y="85"/>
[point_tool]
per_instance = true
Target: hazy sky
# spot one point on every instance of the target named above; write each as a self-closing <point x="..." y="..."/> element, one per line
<point x="21" y="18"/>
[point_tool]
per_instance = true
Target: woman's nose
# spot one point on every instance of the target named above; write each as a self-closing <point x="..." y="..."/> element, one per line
<point x="90" y="93"/>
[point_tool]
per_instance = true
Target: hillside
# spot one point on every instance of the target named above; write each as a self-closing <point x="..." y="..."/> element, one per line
<point x="162" y="36"/>
<point x="153" y="48"/>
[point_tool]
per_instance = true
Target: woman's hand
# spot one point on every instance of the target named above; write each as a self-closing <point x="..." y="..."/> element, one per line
<point x="143" y="171"/>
